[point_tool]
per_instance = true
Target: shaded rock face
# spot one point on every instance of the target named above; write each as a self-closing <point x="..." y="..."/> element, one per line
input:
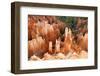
<point x="83" y="41"/>
<point x="37" y="46"/>
<point x="46" y="40"/>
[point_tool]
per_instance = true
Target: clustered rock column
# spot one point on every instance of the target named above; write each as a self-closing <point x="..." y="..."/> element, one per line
<point x="45" y="42"/>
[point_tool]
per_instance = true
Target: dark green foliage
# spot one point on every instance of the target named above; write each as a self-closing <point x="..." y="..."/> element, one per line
<point x="71" y="22"/>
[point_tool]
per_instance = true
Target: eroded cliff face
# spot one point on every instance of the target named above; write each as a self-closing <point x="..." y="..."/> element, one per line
<point x="47" y="41"/>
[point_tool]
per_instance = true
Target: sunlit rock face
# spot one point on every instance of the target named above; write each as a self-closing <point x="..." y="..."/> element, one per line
<point x="49" y="39"/>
